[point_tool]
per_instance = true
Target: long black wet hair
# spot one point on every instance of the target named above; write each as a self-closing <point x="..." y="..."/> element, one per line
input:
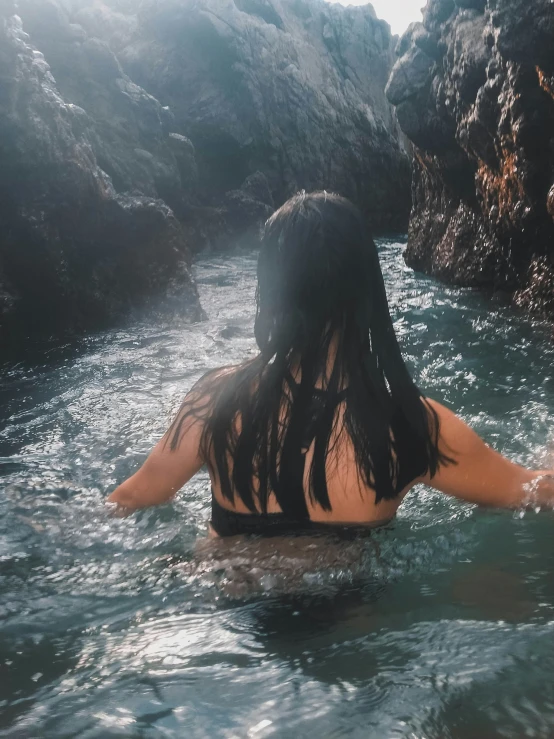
<point x="320" y="295"/>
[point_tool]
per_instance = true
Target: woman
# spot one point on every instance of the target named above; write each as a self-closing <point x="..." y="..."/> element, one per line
<point x="324" y="430"/>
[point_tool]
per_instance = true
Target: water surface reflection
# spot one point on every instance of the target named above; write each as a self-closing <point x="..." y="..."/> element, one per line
<point x="440" y="625"/>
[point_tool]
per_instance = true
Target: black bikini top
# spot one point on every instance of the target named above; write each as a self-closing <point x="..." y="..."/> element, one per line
<point x="231" y="523"/>
<point x="297" y="519"/>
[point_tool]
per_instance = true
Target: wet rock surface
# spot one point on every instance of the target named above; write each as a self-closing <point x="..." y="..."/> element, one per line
<point x="134" y="134"/>
<point x="73" y="251"/>
<point x="291" y="88"/>
<point x="473" y="89"/>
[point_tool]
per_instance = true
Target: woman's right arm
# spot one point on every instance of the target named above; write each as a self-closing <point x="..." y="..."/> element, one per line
<point x="482" y="475"/>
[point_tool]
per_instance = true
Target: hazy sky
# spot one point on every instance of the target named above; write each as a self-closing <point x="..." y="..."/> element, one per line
<point x="398" y="13"/>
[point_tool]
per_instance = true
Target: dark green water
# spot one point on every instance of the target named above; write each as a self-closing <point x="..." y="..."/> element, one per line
<point x="449" y="632"/>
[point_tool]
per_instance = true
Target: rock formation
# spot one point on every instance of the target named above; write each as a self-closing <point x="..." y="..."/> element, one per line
<point x="474" y="91"/>
<point x="134" y="133"/>
<point x="72" y="250"/>
<point x="291" y="88"/>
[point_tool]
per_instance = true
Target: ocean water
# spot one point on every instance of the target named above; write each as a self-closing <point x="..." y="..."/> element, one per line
<point x="440" y="626"/>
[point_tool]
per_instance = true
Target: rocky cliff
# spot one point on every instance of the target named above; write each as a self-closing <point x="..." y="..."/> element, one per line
<point x="132" y="133"/>
<point x="292" y="88"/>
<point x="73" y="250"/>
<point x="474" y="91"/>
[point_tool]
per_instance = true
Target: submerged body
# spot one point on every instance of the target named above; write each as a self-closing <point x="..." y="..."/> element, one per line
<point x="324" y="429"/>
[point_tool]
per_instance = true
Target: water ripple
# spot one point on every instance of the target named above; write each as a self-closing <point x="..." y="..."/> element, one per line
<point x="441" y="625"/>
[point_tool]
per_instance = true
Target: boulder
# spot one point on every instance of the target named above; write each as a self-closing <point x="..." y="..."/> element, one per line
<point x="410" y="74"/>
<point x="482" y="125"/>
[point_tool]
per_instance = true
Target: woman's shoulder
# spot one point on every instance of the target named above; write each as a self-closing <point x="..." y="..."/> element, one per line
<point x="211" y="383"/>
<point x="220" y="373"/>
<point x="199" y="402"/>
<point x="215" y="375"/>
<point x="448" y="420"/>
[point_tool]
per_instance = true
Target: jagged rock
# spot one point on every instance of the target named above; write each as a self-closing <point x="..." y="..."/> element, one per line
<point x="132" y="132"/>
<point x="115" y="23"/>
<point x="410" y="74"/>
<point x="129" y="129"/>
<point x="256" y="187"/>
<point x="523" y="32"/>
<point x="436" y="12"/>
<point x="73" y="252"/>
<point x="483" y="129"/>
<point x="248" y="207"/>
<point x="292" y="88"/>
<point x="473" y="4"/>
<point x="237" y="219"/>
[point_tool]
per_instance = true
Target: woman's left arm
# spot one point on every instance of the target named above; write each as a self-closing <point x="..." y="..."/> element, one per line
<point x="164" y="472"/>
